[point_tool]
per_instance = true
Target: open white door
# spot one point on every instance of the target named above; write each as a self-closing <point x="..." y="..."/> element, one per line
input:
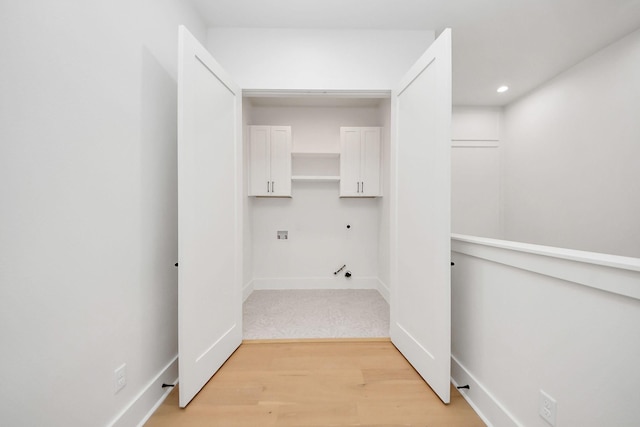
<point x="420" y="223"/>
<point x="209" y="216"/>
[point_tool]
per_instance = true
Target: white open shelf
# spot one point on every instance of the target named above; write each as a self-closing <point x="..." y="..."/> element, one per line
<point x="315" y="178"/>
<point x="328" y="154"/>
<point x="315" y="166"/>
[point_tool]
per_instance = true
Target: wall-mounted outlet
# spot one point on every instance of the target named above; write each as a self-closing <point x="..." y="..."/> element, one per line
<point x="283" y="235"/>
<point x="547" y="408"/>
<point x="120" y="377"/>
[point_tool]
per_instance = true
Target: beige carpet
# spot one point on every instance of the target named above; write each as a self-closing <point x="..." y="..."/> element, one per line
<point x="350" y="313"/>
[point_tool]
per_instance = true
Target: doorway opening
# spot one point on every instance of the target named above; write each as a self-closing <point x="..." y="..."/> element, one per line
<point x="295" y="244"/>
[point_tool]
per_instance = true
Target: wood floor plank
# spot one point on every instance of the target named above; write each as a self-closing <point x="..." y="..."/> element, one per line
<point x="315" y="383"/>
<point x="385" y="374"/>
<point x="315" y="414"/>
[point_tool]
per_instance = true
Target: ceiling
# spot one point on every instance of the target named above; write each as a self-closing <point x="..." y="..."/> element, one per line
<point x="520" y="43"/>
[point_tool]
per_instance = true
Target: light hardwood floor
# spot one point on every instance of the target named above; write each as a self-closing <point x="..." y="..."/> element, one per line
<point x="316" y="383"/>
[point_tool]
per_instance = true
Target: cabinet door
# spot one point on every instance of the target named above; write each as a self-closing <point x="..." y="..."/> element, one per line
<point x="280" y="161"/>
<point x="350" y="159"/>
<point x="259" y="153"/>
<point x="370" y="162"/>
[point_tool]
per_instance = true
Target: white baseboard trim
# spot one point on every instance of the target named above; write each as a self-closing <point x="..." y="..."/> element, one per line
<point x="149" y="399"/>
<point x="488" y="408"/>
<point x="337" y="282"/>
<point x="246" y="290"/>
<point x="384" y="291"/>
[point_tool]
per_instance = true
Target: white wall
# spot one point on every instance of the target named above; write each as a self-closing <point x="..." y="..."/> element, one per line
<point x="315" y="217"/>
<point x="321" y="59"/>
<point x="317" y="59"/>
<point x="89" y="212"/>
<point x="524" y="322"/>
<point x="558" y="167"/>
<point x="476" y="206"/>
<point x="384" y="234"/>
<point x="527" y="318"/>
<point x="571" y="169"/>
<point x="247" y="210"/>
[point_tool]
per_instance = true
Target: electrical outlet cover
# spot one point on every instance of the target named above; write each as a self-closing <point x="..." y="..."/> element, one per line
<point x="283" y="235"/>
<point x="547" y="408"/>
<point x="120" y="377"/>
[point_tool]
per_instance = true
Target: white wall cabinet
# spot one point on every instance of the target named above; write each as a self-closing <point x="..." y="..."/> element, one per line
<point x="270" y="161"/>
<point x="360" y="157"/>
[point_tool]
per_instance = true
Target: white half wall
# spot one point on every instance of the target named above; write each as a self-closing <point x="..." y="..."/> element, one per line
<point x="527" y="318"/>
<point x="88" y="222"/>
<point x="262" y="58"/>
<point x="571" y="168"/>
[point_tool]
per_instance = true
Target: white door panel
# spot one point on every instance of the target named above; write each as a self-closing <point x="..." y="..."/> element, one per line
<point x="421" y="294"/>
<point x="209" y="209"/>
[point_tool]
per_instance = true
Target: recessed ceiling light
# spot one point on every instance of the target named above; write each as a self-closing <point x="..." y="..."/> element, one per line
<point x="502" y="89"/>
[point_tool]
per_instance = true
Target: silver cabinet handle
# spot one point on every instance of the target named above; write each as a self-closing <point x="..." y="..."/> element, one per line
<point x="358" y="187"/>
<point x="362" y="186"/>
<point x="272" y="186"/>
<point x="267" y="186"/>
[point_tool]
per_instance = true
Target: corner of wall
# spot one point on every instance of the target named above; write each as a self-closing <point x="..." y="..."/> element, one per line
<point x="247" y="289"/>
<point x="384" y="291"/>
<point x="479" y="398"/>
<point x="149" y="399"/>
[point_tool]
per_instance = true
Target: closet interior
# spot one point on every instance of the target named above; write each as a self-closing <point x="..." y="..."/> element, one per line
<point x="316" y="215"/>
